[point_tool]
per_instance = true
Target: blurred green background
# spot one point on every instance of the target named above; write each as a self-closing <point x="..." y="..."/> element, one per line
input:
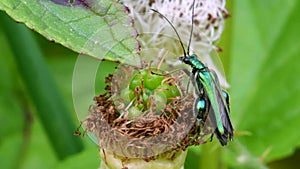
<point x="261" y="58"/>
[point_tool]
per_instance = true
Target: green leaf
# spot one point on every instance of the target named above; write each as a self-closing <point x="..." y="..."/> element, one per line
<point x="265" y="86"/>
<point x="11" y="114"/>
<point x="42" y="90"/>
<point x="101" y="29"/>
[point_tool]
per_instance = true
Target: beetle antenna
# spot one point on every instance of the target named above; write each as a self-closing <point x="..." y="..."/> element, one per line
<point x="193" y="13"/>
<point x="160" y="14"/>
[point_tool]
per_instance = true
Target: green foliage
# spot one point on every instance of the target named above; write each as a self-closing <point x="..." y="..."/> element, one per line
<point x="92" y="30"/>
<point x="261" y="54"/>
<point x="264" y="83"/>
<point x="42" y="90"/>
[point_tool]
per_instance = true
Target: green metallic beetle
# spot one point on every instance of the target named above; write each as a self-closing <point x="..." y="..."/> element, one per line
<point x="211" y="101"/>
<point x="211" y="98"/>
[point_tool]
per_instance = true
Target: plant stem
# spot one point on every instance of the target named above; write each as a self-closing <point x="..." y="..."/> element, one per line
<point x="50" y="107"/>
<point x="171" y="160"/>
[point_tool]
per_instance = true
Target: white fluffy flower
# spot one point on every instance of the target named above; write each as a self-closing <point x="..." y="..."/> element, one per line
<point x="156" y="32"/>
